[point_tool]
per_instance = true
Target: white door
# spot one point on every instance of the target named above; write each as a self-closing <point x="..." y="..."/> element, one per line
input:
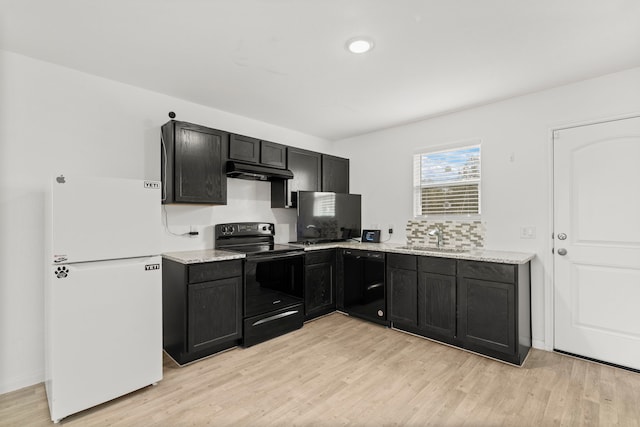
<point x="597" y="241"/>
<point x="105" y="331"/>
<point x="104" y="218"/>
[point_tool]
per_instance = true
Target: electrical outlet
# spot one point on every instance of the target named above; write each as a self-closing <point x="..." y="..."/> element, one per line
<point x="390" y="228"/>
<point x="527" y="232"/>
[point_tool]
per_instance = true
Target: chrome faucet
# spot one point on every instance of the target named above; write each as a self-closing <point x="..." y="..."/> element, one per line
<point x="438" y="233"/>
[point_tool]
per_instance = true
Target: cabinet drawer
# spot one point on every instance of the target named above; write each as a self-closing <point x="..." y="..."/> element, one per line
<point x="505" y="273"/>
<point x="270" y="325"/>
<point x="437" y="265"/>
<point x="319" y="257"/>
<point x="405" y="262"/>
<point x="214" y="270"/>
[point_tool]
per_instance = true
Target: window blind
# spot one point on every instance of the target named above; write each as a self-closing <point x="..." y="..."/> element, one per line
<point x="447" y="182"/>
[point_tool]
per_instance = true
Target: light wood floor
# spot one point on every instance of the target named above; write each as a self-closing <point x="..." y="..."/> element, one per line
<point x="342" y="371"/>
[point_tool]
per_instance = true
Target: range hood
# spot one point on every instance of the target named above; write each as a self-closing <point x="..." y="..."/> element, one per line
<point x="256" y="172"/>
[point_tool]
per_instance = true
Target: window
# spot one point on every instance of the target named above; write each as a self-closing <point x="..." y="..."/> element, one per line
<point x="447" y="182"/>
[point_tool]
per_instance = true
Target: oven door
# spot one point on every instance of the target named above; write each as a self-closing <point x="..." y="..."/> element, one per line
<point x="273" y="282"/>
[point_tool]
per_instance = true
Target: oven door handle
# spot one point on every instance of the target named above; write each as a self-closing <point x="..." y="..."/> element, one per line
<point x="273" y="257"/>
<point x="275" y="317"/>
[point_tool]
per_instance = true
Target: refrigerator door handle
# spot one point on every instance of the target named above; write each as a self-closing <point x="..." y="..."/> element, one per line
<point x="154" y="263"/>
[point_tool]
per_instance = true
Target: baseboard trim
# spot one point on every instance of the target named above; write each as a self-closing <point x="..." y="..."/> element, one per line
<point x="540" y="345"/>
<point x="18" y="383"/>
<point x="600" y="362"/>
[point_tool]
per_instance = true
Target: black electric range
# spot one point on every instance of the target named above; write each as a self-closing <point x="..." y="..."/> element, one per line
<point x="273" y="279"/>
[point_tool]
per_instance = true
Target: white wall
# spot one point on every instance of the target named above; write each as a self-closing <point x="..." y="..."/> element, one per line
<point x="514" y="193"/>
<point x="55" y="120"/>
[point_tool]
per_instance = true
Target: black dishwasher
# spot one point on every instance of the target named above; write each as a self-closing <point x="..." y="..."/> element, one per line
<point x="363" y="293"/>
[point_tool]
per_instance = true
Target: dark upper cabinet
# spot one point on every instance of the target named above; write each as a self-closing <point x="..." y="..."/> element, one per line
<point x="402" y="277"/>
<point x="252" y="150"/>
<point x="437" y="297"/>
<point x="273" y="154"/>
<point x="320" y="283"/>
<point x="335" y="174"/>
<point x="244" y="148"/>
<point x="307" y="174"/>
<point x="311" y="172"/>
<point x="193" y="164"/>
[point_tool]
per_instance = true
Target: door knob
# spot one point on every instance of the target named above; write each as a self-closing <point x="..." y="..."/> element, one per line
<point x="562" y="251"/>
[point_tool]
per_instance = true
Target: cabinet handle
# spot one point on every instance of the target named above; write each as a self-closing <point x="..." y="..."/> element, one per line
<point x="274" y="317"/>
<point x="375" y="285"/>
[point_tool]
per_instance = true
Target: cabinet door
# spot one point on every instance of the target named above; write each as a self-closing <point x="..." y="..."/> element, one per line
<point x="402" y="296"/>
<point x="244" y="149"/>
<point x="335" y="174"/>
<point x="437" y="303"/>
<point x="272" y="154"/>
<point x="487" y="315"/>
<point x="319" y="288"/>
<point x="199" y="169"/>
<point x="214" y="313"/>
<point x="307" y="171"/>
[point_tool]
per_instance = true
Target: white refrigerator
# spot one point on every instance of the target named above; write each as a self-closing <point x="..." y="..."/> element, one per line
<point x="103" y="290"/>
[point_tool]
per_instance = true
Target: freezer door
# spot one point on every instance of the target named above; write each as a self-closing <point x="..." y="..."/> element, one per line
<point x="103" y="218"/>
<point x="105" y="332"/>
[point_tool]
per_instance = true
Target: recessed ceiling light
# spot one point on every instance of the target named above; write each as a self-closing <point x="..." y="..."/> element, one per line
<point x="359" y="45"/>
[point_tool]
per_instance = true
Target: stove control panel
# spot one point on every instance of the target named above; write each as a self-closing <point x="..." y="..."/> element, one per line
<point x="245" y="229"/>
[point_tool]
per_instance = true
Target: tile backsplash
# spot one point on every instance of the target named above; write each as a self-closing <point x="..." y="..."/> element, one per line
<point x="456" y="234"/>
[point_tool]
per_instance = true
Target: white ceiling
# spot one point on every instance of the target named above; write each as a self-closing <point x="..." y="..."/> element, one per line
<point x="284" y="61"/>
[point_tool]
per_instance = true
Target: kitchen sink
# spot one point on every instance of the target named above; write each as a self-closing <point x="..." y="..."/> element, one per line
<point x="430" y="249"/>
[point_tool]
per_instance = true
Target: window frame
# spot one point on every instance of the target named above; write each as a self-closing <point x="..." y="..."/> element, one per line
<point x="418" y="185"/>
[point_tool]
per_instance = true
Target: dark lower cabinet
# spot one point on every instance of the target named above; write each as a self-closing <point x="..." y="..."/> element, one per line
<point x="193" y="164"/>
<point x="202" y="308"/>
<point x="480" y="306"/>
<point x="402" y="299"/>
<point x="214" y="317"/>
<point x="437" y="297"/>
<point x="488" y="316"/>
<point x="495" y="309"/>
<point x="320" y="283"/>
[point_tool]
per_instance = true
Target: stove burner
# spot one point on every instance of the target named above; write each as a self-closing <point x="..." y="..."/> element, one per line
<point x="250" y="238"/>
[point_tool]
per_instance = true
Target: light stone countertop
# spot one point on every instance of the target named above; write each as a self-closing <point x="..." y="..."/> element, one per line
<point x="203" y="255"/>
<point x="505" y="257"/>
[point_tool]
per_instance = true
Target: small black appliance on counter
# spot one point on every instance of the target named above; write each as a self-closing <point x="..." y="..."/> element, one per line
<point x="370" y="236"/>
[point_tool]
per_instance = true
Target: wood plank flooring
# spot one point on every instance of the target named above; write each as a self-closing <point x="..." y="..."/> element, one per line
<point x="339" y="370"/>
